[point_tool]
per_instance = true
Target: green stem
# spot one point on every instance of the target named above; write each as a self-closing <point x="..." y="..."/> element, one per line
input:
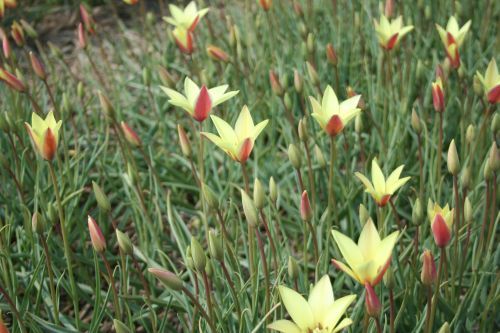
<point x="112" y="284"/>
<point x="13" y="309"/>
<point x="436" y="292"/>
<point x="51" y="279"/>
<point x="331" y="195"/>
<point x="67" y="249"/>
<point x="200" y="308"/>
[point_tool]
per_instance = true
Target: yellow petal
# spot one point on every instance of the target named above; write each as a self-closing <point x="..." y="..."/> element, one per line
<point x="225" y="130"/>
<point x="321" y="298"/>
<point x="491" y="75"/>
<point x="442" y="34"/>
<point x="244" y="124"/>
<point x="366" y="182"/>
<point x="297" y="307"/>
<point x="343" y="324"/>
<point x="330" y="103"/>
<point x="349" y="104"/>
<point x="377" y="177"/>
<point x="462" y="33"/>
<point x="369" y="240"/>
<point x="336" y="310"/>
<point x="348" y="248"/>
<point x="452" y="26"/>
<point x="385" y="248"/>
<point x="284" y="326"/>
<point x="191" y="90"/>
<point x="259" y="128"/>
<point x="395" y="186"/>
<point x="343" y="267"/>
<point x="178" y="99"/>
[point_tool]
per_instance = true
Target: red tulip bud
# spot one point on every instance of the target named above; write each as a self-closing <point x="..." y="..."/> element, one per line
<point x="438" y="97"/>
<point x="372" y="303"/>
<point x="17" y="33"/>
<point x="96" y="236"/>
<point x="184" y="141"/>
<point x="12" y="81"/>
<point x="494" y="95"/>
<point x="331" y="54"/>
<point x="217" y="53"/>
<point x="428" y="275"/>
<point x="88" y="22"/>
<point x="306" y="212"/>
<point x="389" y="8"/>
<point x="203" y="105"/>
<point x="275" y="83"/>
<point x="38" y="67"/>
<point x="130" y="135"/>
<point x="6" y="47"/>
<point x="441" y="232"/>
<point x="266" y="4"/>
<point x="82" y="37"/>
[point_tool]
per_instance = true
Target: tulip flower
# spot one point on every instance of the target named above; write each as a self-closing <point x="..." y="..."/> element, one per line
<point x="438" y="95"/>
<point x="238" y="142"/>
<point x="265" y="4"/>
<point x="186" y="18"/>
<point x="381" y="189"/>
<point x="332" y="116"/>
<point x="184" y="40"/>
<point x="441" y="219"/>
<point x="96" y="236"/>
<point x="82" y="37"/>
<point x="8" y="4"/>
<point x="390" y="33"/>
<point x="12" y="81"/>
<point x="319" y="313"/>
<point x="368" y="260"/>
<point x="198" y="102"/>
<point x="429" y="274"/>
<point x="45" y="134"/>
<point x="491" y="82"/>
<point x="452" y="38"/>
<point x="131" y="2"/>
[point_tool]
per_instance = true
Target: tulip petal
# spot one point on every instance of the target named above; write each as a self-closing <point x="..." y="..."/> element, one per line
<point x="284" y="326"/>
<point x="321" y="298"/>
<point x="178" y="99"/>
<point x="259" y="128"/>
<point x="368" y="184"/>
<point x="336" y="310"/>
<point x="343" y="267"/>
<point x="369" y="240"/>
<point x="330" y="103"/>
<point x="297" y="307"/>
<point x="225" y="130"/>
<point x="244" y="124"/>
<point x="343" y="324"/>
<point x="384" y="250"/>
<point x="348" y="248"/>
<point x="191" y="90"/>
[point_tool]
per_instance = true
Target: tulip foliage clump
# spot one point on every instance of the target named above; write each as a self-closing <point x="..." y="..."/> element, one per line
<point x="249" y="166"/>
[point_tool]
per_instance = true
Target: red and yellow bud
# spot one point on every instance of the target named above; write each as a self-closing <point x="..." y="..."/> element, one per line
<point x="96" y="236"/>
<point x="17" y="34"/>
<point x="440" y="231"/>
<point x="428" y="275"/>
<point x="184" y="40"/>
<point x="38" y="67"/>
<point x="306" y="212"/>
<point x="131" y="2"/>
<point x="130" y="135"/>
<point x="88" y="21"/>
<point x="331" y="54"/>
<point x="438" y="95"/>
<point x="6" y="47"/>
<point x="44" y="134"/>
<point x="82" y="37"/>
<point x="3" y="328"/>
<point x="372" y="303"/>
<point x="452" y="51"/>
<point x="184" y="141"/>
<point x="12" y="81"/>
<point x="389" y="8"/>
<point x="217" y="53"/>
<point x="275" y="83"/>
<point x="266" y="4"/>
<point x="203" y="105"/>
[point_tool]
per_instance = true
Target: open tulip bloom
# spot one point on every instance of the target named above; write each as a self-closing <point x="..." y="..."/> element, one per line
<point x="452" y="38"/>
<point x="381" y="189"/>
<point x="368" y="260"/>
<point x="183" y="39"/>
<point x="238" y="142"/>
<point x="390" y="33"/>
<point x="320" y="313"/>
<point x="197" y="101"/>
<point x="491" y="82"/>
<point x="332" y="116"/>
<point x="441" y="219"/>
<point x="45" y="134"/>
<point x="186" y="19"/>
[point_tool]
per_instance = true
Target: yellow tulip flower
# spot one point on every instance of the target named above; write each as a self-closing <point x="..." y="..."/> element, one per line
<point x="238" y="142"/>
<point x="452" y="38"/>
<point x="491" y="82"/>
<point x="368" y="260"/>
<point x="197" y="101"/>
<point x="186" y="18"/>
<point x="332" y="116"/>
<point x="320" y="313"/>
<point x="381" y="189"/>
<point x="441" y="219"/>
<point x="45" y="134"/>
<point x="390" y="33"/>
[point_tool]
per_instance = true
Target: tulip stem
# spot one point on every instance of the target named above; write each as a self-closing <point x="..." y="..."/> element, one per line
<point x="13" y="309"/>
<point x="231" y="288"/>
<point x="331" y="195"/>
<point x="485" y="216"/>
<point x="392" y="311"/>
<point x="442" y="259"/>
<point x="208" y="295"/>
<point x="491" y="234"/>
<point x="198" y="305"/>
<point x="112" y="284"/>
<point x="271" y="241"/>
<point x="312" y="185"/>
<point x="51" y="279"/>
<point x="67" y="249"/>
<point x="421" y="168"/>
<point x="245" y="177"/>
<point x="456" y="216"/>
<point x="429" y="307"/>
<point x="440" y="150"/>
<point x="301" y="182"/>
<point x="264" y="268"/>
<point x="377" y="323"/>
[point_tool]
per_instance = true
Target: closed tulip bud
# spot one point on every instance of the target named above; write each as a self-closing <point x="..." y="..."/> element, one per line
<point x="82" y="36"/>
<point x="120" y="327"/>
<point x="209" y="268"/>
<point x="358" y="124"/>
<point x="441" y="231"/>
<point x="310" y="43"/>
<point x="80" y="90"/>
<point x="165" y="77"/>
<point x="319" y="157"/>
<point x="146" y="76"/>
<point x="17" y="34"/>
<point x="303" y="30"/>
<point x="461" y="71"/>
<point x="275" y="83"/>
<point x="199" y="257"/>
<point x="249" y="209"/>
<point x="52" y="213"/>
<point x="477" y="85"/>
<point x="306" y="212"/>
<point x="427" y="12"/>
<point x="438" y="95"/>
<point x="215" y="246"/>
<point x="495" y="124"/>
<point x="372" y="303"/>
<point x="287" y="101"/>
<point x="415" y="122"/>
<point x="37" y="223"/>
<point x="428" y="275"/>
<point x="364" y="215"/>
<point x="234" y="36"/>
<point x="417" y="214"/>
<point x="101" y="198"/>
<point x="124" y="243"/>
<point x="302" y="129"/>
<point x="88" y="22"/>
<point x="487" y="172"/>
<point x="446" y="68"/>
<point x="259" y="196"/>
<point x="266" y="4"/>
<point x="297" y="81"/>
<point x="331" y="55"/>
<point x="130" y="135"/>
<point x="293" y="268"/>
<point x="184" y="141"/>
<point x="468" y="213"/>
<point x="217" y="53"/>
<point x="273" y="190"/>
<point x="466" y="177"/>
<point x="420" y="71"/>
<point x="445" y="328"/>
<point x="494" y="158"/>
<point x="209" y="196"/>
<point x="389" y="8"/>
<point x="298" y="9"/>
<point x="294" y="156"/>
<point x="66" y="104"/>
<point x="470" y="134"/>
<point x="28" y="28"/>
<point x="106" y="105"/>
<point x="13" y="81"/>
<point x="189" y="258"/>
<point x="389" y="278"/>
<point x="6" y="48"/>
<point x="453" y="160"/>
<point x="96" y="236"/>
<point x="169" y="279"/>
<point x="313" y="75"/>
<point x="150" y="18"/>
